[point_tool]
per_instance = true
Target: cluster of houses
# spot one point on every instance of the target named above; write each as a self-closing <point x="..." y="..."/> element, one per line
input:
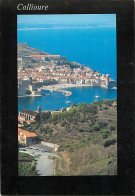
<point x="62" y="74"/>
<point x="27" y="117"/>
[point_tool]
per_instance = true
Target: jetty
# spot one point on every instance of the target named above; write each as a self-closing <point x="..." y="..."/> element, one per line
<point x="64" y="92"/>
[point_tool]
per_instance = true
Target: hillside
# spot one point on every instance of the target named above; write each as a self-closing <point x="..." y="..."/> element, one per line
<point x="87" y="135"/>
<point x="24" y="49"/>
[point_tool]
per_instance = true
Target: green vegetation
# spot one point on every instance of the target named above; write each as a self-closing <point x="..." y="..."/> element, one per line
<point x="24" y="49"/>
<point x="105" y="133"/>
<point x="109" y="142"/>
<point x="65" y="62"/>
<point x="87" y="135"/>
<point x="112" y="127"/>
<point x="26" y="165"/>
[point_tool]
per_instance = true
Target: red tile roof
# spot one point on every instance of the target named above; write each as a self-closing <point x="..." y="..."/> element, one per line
<point x="26" y="133"/>
<point x="45" y="56"/>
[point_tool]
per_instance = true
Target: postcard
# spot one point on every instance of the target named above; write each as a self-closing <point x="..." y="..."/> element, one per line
<point x="67" y="113"/>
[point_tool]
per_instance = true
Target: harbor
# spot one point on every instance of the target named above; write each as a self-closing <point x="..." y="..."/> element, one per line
<point x="58" y="100"/>
<point x="56" y="88"/>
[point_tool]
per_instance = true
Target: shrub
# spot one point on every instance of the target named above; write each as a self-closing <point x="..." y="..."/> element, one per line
<point x="41" y="129"/>
<point x="109" y="142"/>
<point x="80" y="129"/>
<point x="55" y="122"/>
<point x="62" y="123"/>
<point x="93" y="119"/>
<point x="44" y="116"/>
<point x="33" y="165"/>
<point x="112" y="127"/>
<point x="107" y="102"/>
<point x="86" y="139"/>
<point x="90" y="130"/>
<point x="50" y="130"/>
<point x="82" y="120"/>
<point x="35" y="127"/>
<point x="102" y="124"/>
<point x="95" y="127"/>
<point x="91" y="124"/>
<point x="105" y="133"/>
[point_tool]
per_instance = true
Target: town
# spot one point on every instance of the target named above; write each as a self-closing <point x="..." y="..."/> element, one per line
<point x="56" y="72"/>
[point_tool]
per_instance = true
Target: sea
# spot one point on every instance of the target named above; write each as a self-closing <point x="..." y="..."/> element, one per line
<point x="94" y="47"/>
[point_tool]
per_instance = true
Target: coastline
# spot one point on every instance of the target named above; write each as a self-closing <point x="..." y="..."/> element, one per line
<point x="29" y="96"/>
<point x="61" y="87"/>
<point x="56" y="87"/>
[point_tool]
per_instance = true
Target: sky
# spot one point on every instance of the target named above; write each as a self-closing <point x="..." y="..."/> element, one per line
<point x="69" y="19"/>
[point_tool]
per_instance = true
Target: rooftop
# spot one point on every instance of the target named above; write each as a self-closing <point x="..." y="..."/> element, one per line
<point x="29" y="112"/>
<point x="26" y="133"/>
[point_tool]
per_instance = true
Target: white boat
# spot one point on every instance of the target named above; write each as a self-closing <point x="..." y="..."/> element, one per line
<point x="51" y="90"/>
<point x="96" y="96"/>
<point x="66" y="101"/>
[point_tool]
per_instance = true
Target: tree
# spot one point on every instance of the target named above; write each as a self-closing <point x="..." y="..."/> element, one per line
<point x="45" y="115"/>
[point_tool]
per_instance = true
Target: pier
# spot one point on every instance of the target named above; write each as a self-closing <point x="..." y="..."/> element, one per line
<point x="64" y="92"/>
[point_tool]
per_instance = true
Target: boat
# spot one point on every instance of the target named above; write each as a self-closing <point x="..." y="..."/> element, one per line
<point x="96" y="96"/>
<point x="45" y="94"/>
<point x="66" y="101"/>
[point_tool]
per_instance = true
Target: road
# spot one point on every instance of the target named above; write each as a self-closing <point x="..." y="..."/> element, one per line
<point x="44" y="165"/>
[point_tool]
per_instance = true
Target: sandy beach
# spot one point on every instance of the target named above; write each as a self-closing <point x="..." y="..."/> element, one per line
<point x="63" y="86"/>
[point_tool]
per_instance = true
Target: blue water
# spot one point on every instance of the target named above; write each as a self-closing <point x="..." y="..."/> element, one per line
<point x="94" y="47"/>
<point x="57" y="100"/>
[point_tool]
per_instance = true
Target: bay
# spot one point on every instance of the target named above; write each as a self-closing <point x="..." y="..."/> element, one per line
<point x="57" y="100"/>
<point x="94" y="47"/>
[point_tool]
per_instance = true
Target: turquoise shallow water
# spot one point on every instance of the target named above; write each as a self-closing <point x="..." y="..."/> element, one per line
<point x="57" y="100"/>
